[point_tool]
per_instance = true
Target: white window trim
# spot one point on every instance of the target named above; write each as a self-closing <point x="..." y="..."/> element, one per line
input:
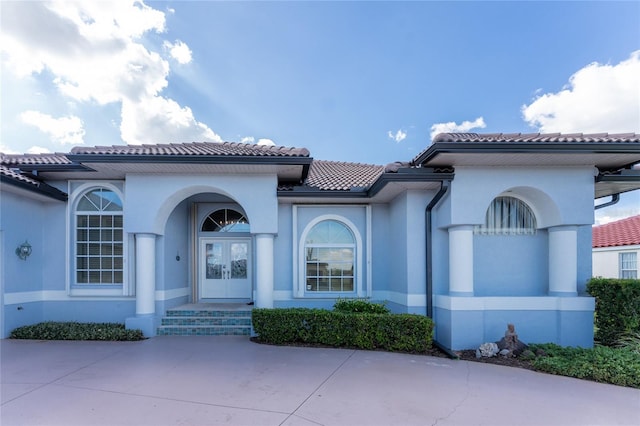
<point x="299" y="287"/>
<point x="621" y="270"/>
<point x="75" y="192"/>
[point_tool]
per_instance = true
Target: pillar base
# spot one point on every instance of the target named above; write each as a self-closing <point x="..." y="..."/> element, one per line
<point x="147" y="323"/>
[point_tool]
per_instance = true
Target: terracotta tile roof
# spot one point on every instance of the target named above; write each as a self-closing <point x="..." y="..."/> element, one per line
<point x="538" y="137"/>
<point x="195" y="148"/>
<point x="625" y="232"/>
<point x="334" y="175"/>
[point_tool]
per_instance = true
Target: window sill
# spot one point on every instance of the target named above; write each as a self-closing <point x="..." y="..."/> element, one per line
<point x="100" y="291"/>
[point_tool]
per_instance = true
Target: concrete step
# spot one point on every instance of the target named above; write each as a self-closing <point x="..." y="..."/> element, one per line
<point x="194" y="330"/>
<point x="208" y="313"/>
<point x="206" y="320"/>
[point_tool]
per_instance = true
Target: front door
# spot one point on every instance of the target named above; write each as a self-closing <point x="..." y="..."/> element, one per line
<point x="225" y="268"/>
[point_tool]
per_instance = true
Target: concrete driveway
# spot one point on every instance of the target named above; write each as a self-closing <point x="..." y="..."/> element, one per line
<point x="203" y="380"/>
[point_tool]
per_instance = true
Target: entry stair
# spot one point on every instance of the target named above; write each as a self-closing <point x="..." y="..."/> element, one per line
<point x="207" y="319"/>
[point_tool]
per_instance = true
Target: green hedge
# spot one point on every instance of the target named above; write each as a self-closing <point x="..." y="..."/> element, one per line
<point x="617" y="308"/>
<point x="392" y="332"/>
<point x="618" y="366"/>
<point x="75" y="331"/>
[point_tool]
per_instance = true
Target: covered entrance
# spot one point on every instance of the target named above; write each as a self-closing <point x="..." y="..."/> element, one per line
<point x="224" y="253"/>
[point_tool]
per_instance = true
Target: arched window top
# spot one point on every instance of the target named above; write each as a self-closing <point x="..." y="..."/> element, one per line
<point x="225" y="220"/>
<point x="330" y="232"/>
<point x="508" y="216"/>
<point x="99" y="200"/>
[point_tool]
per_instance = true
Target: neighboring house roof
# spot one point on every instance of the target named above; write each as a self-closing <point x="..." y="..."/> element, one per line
<point x="19" y="180"/>
<point x="625" y="232"/>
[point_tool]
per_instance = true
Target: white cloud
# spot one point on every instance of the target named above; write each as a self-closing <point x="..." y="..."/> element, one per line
<point x="63" y="130"/>
<point x="8" y="150"/>
<point x="38" y="150"/>
<point x="94" y="52"/>
<point x="453" y="127"/>
<point x="161" y="120"/>
<point x="247" y="139"/>
<point x="266" y="142"/>
<point x="398" y="136"/>
<point x="598" y="98"/>
<point x="179" y="51"/>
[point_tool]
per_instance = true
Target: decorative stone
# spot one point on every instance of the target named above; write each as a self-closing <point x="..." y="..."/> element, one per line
<point x="511" y="342"/>
<point x="488" y="350"/>
<point x="505" y="352"/>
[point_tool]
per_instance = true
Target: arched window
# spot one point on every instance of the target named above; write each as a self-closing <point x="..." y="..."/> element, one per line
<point x="329" y="249"/>
<point x="508" y="216"/>
<point x="225" y="220"/>
<point x="99" y="244"/>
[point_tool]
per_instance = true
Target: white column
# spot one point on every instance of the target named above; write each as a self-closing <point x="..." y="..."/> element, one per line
<point x="145" y="274"/>
<point x="264" y="271"/>
<point x="461" y="260"/>
<point x="563" y="260"/>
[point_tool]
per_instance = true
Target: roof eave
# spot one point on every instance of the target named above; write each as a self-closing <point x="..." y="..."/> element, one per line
<point x="414" y="176"/>
<point x="42" y="189"/>
<point x="189" y="159"/>
<point x="524" y="148"/>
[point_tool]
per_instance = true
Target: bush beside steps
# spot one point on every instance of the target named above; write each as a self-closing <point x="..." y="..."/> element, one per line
<point x="51" y="330"/>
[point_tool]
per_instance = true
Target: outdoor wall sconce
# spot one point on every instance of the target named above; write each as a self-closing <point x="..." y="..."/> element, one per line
<point x="24" y="250"/>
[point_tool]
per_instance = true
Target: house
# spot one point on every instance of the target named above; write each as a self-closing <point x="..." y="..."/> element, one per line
<point x="616" y="248"/>
<point x="477" y="231"/>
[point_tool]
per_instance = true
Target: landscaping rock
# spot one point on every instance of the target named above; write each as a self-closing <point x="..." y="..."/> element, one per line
<point x="488" y="349"/>
<point x="511" y="342"/>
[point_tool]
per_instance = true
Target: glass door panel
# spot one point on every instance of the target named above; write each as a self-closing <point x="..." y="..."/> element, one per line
<point x="224" y="268"/>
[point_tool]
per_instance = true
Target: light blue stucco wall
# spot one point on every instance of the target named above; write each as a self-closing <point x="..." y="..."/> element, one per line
<point x="21" y="219"/>
<point x="508" y="269"/>
<point x="511" y="265"/>
<point x="407" y="247"/>
<point x="382" y="248"/>
<point x="151" y="199"/>
<point x="283" y="254"/>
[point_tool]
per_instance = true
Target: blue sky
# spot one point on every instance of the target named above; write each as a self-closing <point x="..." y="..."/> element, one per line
<point x="352" y="81"/>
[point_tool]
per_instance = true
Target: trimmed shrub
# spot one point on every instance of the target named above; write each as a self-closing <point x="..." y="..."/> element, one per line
<point x="75" y="331"/>
<point x="617" y="308"/>
<point x="392" y="332"/>
<point x="360" y="306"/>
<point x="617" y="366"/>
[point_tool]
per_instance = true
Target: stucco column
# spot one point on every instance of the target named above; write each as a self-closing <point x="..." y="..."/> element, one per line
<point x="264" y="271"/>
<point x="563" y="261"/>
<point x="145" y="274"/>
<point x="461" y="260"/>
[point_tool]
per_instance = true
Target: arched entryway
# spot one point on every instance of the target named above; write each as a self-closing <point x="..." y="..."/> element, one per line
<point x="224" y="253"/>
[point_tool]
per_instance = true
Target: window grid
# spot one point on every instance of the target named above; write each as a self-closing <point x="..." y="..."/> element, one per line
<point x="628" y="265"/>
<point x="225" y="220"/>
<point x="99" y="241"/>
<point x="330" y="258"/>
<point x="330" y="269"/>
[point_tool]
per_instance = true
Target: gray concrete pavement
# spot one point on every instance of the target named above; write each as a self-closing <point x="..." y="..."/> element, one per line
<point x="230" y="380"/>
